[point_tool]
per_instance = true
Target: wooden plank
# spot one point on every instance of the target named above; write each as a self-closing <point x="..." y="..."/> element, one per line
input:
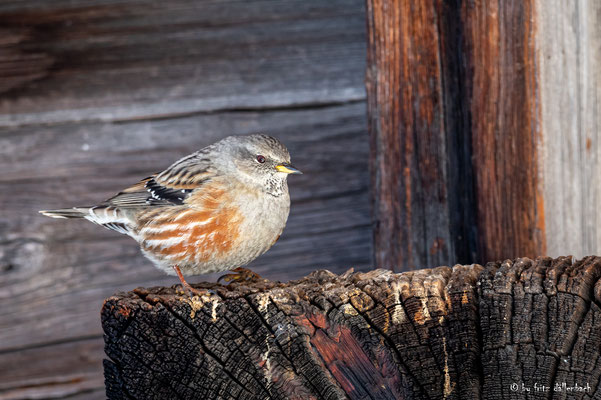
<point x="421" y="172"/>
<point x="504" y="105"/>
<point x="101" y="60"/>
<point x="50" y="371"/>
<point x="570" y="67"/>
<point x="404" y="106"/>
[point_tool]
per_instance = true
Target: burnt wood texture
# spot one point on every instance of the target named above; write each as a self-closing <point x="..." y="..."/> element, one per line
<point x="97" y="94"/>
<point x="484" y="119"/>
<point x="467" y="332"/>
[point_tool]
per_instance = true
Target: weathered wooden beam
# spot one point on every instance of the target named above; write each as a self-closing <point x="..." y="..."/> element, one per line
<point x="455" y="333"/>
<point x="484" y="123"/>
<point x="423" y="200"/>
<point x="503" y="103"/>
<point x="97" y="60"/>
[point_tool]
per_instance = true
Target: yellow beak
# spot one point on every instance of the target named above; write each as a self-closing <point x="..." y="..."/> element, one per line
<point x="287" y="168"/>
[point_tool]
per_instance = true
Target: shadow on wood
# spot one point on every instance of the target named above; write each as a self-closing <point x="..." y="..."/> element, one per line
<point x="467" y="332"/>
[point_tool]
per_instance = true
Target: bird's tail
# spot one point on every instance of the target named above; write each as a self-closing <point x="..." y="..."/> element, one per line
<point x="75" y="212"/>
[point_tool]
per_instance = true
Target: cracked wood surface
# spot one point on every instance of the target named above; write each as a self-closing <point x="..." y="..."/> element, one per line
<point x="465" y="332"/>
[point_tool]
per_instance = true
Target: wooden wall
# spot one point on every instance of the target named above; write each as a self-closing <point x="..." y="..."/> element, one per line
<point x="96" y="94"/>
<point x="485" y="125"/>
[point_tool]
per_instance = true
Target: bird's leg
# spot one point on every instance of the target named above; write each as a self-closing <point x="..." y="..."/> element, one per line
<point x="186" y="285"/>
<point x="241" y="275"/>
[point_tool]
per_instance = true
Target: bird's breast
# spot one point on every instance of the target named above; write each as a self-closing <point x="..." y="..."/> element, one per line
<point x="265" y="218"/>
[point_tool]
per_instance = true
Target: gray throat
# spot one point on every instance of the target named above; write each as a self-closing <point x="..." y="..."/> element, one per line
<point x="276" y="186"/>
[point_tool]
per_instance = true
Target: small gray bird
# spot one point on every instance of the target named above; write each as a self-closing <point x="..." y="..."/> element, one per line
<point x="214" y="210"/>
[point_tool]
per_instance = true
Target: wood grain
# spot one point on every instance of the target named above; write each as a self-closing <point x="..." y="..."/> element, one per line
<point x="423" y="201"/>
<point x="139" y="58"/>
<point x="53" y="375"/>
<point x="465" y="332"/>
<point x="503" y="97"/>
<point x="570" y="74"/>
<point x="128" y="89"/>
<point x="481" y="113"/>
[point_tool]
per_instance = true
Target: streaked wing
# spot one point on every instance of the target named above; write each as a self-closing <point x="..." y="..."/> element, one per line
<point x="168" y="188"/>
<point x="188" y="173"/>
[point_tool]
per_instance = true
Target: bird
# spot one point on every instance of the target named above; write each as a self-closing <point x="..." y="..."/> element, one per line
<point x="214" y="210"/>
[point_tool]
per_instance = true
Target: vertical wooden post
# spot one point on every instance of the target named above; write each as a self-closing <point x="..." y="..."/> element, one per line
<point x="503" y="100"/>
<point x="477" y="147"/>
<point x="421" y="175"/>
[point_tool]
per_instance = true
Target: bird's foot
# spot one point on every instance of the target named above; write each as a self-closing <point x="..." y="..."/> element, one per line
<point x="240" y="275"/>
<point x="202" y="293"/>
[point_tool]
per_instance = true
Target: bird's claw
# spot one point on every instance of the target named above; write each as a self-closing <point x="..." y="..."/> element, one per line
<point x="240" y="275"/>
<point x="191" y="292"/>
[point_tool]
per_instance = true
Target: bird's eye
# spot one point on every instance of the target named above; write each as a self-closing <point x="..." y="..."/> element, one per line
<point x="260" y="159"/>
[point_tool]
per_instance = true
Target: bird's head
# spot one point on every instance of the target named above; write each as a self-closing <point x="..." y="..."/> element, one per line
<point x="256" y="160"/>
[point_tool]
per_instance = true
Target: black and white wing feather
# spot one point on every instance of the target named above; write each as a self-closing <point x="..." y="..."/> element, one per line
<point x="169" y="188"/>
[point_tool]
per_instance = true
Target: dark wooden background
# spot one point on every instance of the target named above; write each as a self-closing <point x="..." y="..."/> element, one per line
<point x="97" y="94"/>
